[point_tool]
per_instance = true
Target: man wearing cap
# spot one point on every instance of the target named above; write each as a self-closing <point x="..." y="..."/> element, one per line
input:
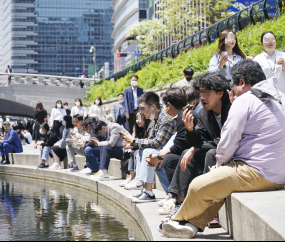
<point x="11" y="144"/>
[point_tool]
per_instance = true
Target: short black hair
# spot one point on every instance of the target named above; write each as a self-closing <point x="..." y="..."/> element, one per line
<point x="192" y="94"/>
<point x="98" y="126"/>
<point x="45" y="126"/>
<point x="134" y="76"/>
<point x="121" y="94"/>
<point x="213" y="81"/>
<point x="68" y="120"/>
<point x="188" y="71"/>
<point x="89" y="121"/>
<point x="79" y="117"/>
<point x="265" y="33"/>
<point x="248" y="70"/>
<point x="150" y="98"/>
<point x="176" y="97"/>
<point x="65" y="104"/>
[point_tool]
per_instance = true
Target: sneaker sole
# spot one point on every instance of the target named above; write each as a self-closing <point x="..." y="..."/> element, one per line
<point x="171" y="232"/>
<point x="101" y="179"/>
<point x="163" y="213"/>
<point x="162" y="231"/>
<point x="144" y="201"/>
<point x="134" y="188"/>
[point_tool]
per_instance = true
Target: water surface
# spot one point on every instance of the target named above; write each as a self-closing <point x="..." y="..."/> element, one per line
<point x="32" y="210"/>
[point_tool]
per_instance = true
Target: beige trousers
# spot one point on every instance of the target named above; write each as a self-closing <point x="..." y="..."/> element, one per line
<point x="206" y="193"/>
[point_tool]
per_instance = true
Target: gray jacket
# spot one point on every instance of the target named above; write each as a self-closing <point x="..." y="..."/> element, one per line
<point x="114" y="138"/>
<point x="116" y="110"/>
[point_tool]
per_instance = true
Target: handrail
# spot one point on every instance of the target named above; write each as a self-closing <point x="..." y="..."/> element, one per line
<point x="49" y="80"/>
<point x="237" y="21"/>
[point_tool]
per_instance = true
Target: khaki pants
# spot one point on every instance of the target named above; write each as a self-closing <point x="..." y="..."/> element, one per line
<point x="207" y="192"/>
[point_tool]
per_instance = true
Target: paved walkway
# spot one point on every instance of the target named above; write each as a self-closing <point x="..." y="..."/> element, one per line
<point x="148" y="210"/>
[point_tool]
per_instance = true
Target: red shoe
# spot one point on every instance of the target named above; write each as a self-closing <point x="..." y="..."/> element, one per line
<point x="214" y="224"/>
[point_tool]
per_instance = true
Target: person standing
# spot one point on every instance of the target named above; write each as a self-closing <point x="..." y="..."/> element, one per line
<point x="96" y="110"/>
<point x="272" y="61"/>
<point x="78" y="108"/>
<point x="40" y="115"/>
<point x="132" y="95"/>
<point x="27" y="70"/>
<point x="8" y="70"/>
<point x="56" y="119"/>
<point x="119" y="111"/>
<point x="68" y="111"/>
<point x="227" y="54"/>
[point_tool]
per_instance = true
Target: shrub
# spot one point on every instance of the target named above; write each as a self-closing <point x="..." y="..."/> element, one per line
<point x="157" y="74"/>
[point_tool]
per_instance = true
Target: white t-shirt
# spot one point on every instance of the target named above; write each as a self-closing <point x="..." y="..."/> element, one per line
<point x="96" y="111"/>
<point x="267" y="64"/>
<point x="29" y="137"/>
<point x="78" y="110"/>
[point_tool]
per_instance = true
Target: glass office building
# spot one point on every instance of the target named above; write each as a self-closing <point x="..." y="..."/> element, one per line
<point x="54" y="36"/>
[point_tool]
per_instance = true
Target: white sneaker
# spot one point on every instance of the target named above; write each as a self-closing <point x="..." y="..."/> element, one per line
<point x="86" y="171"/>
<point x="55" y="166"/>
<point x="166" y="209"/>
<point x="135" y="185"/>
<point x="100" y="176"/>
<point x="167" y="201"/>
<point x="174" y="229"/>
<point x="126" y="182"/>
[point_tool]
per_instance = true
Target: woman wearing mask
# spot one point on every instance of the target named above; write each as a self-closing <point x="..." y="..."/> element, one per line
<point x="227" y="54"/>
<point x="45" y="147"/>
<point x="56" y="118"/>
<point x="96" y="110"/>
<point x="40" y="115"/>
<point x="78" y="108"/>
<point x="68" y="111"/>
<point x="59" y="149"/>
<point x="272" y="61"/>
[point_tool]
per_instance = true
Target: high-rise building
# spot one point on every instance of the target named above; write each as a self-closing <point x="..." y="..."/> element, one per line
<point x="1" y="36"/>
<point x="127" y="13"/>
<point x="54" y="36"/>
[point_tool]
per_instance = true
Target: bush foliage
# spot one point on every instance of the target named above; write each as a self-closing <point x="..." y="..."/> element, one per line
<point x="158" y="74"/>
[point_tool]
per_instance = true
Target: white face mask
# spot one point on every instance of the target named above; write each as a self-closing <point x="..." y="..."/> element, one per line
<point x="77" y="104"/>
<point x="134" y="83"/>
<point x="58" y="105"/>
<point x="41" y="131"/>
<point x="97" y="102"/>
<point x="152" y="116"/>
<point x="65" y="107"/>
<point x="121" y="101"/>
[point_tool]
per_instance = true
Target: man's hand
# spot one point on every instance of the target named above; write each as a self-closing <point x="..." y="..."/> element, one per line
<point x="186" y="160"/>
<point x="231" y="95"/>
<point x="127" y="116"/>
<point x="188" y="120"/>
<point x="127" y="136"/>
<point x="153" y="161"/>
<point x="68" y="141"/>
<point x="127" y="146"/>
<point x="94" y="141"/>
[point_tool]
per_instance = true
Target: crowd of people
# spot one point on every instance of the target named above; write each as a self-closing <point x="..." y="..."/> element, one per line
<point x="204" y="138"/>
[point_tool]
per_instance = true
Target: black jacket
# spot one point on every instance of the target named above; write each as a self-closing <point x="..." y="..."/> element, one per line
<point x="207" y="132"/>
<point x="49" y="139"/>
<point x="180" y="143"/>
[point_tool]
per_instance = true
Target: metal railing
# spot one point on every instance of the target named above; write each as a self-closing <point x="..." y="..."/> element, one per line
<point x="258" y="12"/>
<point x="37" y="79"/>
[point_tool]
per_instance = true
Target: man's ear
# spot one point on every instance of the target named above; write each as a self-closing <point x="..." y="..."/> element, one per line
<point x="220" y="94"/>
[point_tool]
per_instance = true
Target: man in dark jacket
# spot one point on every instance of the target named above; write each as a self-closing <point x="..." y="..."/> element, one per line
<point x="204" y="138"/>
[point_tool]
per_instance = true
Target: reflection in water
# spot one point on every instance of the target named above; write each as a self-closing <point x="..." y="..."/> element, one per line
<point x="36" y="210"/>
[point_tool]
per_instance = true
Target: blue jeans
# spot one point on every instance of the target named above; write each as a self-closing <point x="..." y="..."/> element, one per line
<point x="6" y="148"/>
<point x="45" y="153"/>
<point x="107" y="153"/>
<point x="147" y="173"/>
<point x="132" y="163"/>
<point x="92" y="157"/>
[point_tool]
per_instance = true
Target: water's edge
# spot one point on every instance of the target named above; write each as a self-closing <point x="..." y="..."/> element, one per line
<point x="100" y="188"/>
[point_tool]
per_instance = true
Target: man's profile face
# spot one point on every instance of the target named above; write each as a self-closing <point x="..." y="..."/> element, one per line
<point x="145" y="110"/>
<point x="6" y="127"/>
<point x="121" y="97"/>
<point x="209" y="98"/>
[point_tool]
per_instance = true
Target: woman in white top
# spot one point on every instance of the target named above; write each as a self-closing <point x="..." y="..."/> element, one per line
<point x="96" y="110"/>
<point x="78" y="108"/>
<point x="272" y="61"/>
<point x="56" y="119"/>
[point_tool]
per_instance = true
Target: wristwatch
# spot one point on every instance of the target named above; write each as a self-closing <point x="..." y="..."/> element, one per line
<point x="158" y="157"/>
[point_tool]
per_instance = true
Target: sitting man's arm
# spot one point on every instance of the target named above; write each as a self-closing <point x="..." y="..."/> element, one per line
<point x="114" y="136"/>
<point x="13" y="135"/>
<point x="232" y="132"/>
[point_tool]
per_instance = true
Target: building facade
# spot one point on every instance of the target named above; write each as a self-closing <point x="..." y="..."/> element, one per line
<point x="1" y="36"/>
<point x="54" y="36"/>
<point x="127" y="13"/>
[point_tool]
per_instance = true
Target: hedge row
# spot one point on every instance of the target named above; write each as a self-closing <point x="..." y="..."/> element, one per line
<point x="157" y="74"/>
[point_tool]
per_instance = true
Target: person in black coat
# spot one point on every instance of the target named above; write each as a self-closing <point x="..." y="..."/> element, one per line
<point x="203" y="138"/>
<point x="45" y="147"/>
<point x="67" y="110"/>
<point x="40" y="116"/>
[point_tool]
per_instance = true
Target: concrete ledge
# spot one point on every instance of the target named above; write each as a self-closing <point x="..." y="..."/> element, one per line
<point x="145" y="214"/>
<point x="255" y="216"/>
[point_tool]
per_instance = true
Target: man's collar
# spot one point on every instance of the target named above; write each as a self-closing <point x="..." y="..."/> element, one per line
<point x="134" y="88"/>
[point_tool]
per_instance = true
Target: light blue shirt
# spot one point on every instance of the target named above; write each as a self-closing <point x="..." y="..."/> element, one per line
<point x="214" y="65"/>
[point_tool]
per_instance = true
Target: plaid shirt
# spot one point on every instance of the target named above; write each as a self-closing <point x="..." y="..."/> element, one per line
<point x="162" y="131"/>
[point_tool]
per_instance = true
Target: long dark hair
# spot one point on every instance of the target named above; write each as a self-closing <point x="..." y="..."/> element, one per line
<point x="39" y="107"/>
<point x="222" y="45"/>
<point x="58" y="102"/>
<point x="140" y="133"/>
<point x="98" y="98"/>
<point x="68" y="120"/>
